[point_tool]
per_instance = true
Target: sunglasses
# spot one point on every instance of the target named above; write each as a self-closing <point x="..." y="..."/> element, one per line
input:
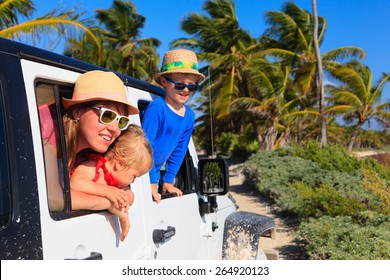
<point x="108" y="116"/>
<point x="182" y="86"/>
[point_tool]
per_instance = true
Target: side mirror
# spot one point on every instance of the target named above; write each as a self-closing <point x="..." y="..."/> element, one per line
<point x="213" y="176"/>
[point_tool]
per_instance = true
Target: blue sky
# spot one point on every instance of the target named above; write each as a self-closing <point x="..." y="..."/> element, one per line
<point x="361" y="23"/>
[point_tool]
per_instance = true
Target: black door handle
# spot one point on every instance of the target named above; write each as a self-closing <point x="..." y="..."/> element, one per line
<point x="161" y="235"/>
<point x="93" y="256"/>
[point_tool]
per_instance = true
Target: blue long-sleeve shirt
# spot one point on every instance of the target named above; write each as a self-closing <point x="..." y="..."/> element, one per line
<point x="169" y="135"/>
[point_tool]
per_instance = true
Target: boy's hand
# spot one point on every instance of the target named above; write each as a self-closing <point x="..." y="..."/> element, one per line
<point x="167" y="187"/>
<point x="155" y="195"/>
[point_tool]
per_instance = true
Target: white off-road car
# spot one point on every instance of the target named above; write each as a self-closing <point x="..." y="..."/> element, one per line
<point x="202" y="224"/>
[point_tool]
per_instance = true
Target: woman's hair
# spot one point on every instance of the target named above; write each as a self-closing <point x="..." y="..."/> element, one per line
<point x="133" y="148"/>
<point x="71" y="128"/>
<point x="71" y="135"/>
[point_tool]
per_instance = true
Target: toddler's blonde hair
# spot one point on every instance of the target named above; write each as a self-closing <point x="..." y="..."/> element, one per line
<point x="132" y="148"/>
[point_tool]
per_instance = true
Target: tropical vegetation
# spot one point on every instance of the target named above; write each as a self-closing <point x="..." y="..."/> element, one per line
<point x="264" y="89"/>
<point x="267" y="88"/>
<point x="17" y="22"/>
<point x="341" y="204"/>
<point x="118" y="32"/>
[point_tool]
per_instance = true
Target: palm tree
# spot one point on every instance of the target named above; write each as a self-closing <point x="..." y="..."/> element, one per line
<point x="123" y="27"/>
<point x="319" y="80"/>
<point x="226" y="48"/>
<point x="274" y="99"/>
<point x="357" y="96"/>
<point x="119" y="36"/>
<point x="290" y="38"/>
<point x="56" y="25"/>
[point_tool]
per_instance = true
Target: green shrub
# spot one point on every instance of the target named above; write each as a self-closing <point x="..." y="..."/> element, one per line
<point x="243" y="150"/>
<point x="339" y="238"/>
<point x="370" y="218"/>
<point x="336" y="157"/>
<point x="340" y="201"/>
<point x="273" y="174"/>
<point x="236" y="147"/>
<point x="379" y="188"/>
<point x="372" y="164"/>
<point x="226" y="143"/>
<point x="276" y="175"/>
<point x="331" y="157"/>
<point x="382" y="158"/>
<point x="321" y="201"/>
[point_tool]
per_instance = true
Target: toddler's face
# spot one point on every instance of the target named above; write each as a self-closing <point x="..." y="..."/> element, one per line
<point x="126" y="177"/>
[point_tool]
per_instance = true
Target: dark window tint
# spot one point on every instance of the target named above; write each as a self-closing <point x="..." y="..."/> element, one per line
<point x="5" y="193"/>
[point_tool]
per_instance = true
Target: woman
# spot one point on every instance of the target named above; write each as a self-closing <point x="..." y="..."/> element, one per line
<point x="94" y="118"/>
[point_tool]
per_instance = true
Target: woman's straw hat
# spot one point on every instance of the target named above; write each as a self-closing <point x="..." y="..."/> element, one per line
<point x="99" y="85"/>
<point x="179" y="61"/>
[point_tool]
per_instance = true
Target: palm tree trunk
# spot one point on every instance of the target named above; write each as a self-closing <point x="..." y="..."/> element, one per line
<point x="320" y="82"/>
<point x="285" y="139"/>
<point x="256" y="129"/>
<point x="354" y="136"/>
<point x="269" y="139"/>
<point x="299" y="130"/>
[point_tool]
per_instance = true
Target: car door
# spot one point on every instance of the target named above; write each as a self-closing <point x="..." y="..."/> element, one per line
<point x="176" y="218"/>
<point x="20" y="235"/>
<point x="68" y="234"/>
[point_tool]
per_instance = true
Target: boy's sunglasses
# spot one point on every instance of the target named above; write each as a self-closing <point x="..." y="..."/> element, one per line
<point x="181" y="86"/>
<point x="108" y="116"/>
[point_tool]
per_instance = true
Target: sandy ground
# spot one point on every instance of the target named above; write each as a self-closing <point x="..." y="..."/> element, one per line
<point x="248" y="199"/>
<point x="366" y="153"/>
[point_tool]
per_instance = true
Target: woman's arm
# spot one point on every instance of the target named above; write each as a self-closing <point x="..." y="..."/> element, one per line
<point x="55" y="192"/>
<point x="82" y="200"/>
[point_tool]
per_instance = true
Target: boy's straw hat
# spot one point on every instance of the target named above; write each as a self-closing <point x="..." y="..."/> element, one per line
<point x="179" y="61"/>
<point x="99" y="85"/>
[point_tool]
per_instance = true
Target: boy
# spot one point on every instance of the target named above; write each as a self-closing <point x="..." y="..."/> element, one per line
<point x="167" y="121"/>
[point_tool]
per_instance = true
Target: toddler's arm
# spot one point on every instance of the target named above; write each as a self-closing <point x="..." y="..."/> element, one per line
<point x="130" y="196"/>
<point x="123" y="220"/>
<point x="81" y="181"/>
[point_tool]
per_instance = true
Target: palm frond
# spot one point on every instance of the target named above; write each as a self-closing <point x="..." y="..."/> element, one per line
<point x="11" y="10"/>
<point x="56" y="25"/>
<point x="344" y="53"/>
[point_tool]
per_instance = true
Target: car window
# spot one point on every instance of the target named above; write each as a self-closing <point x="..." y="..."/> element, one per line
<point x="48" y="97"/>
